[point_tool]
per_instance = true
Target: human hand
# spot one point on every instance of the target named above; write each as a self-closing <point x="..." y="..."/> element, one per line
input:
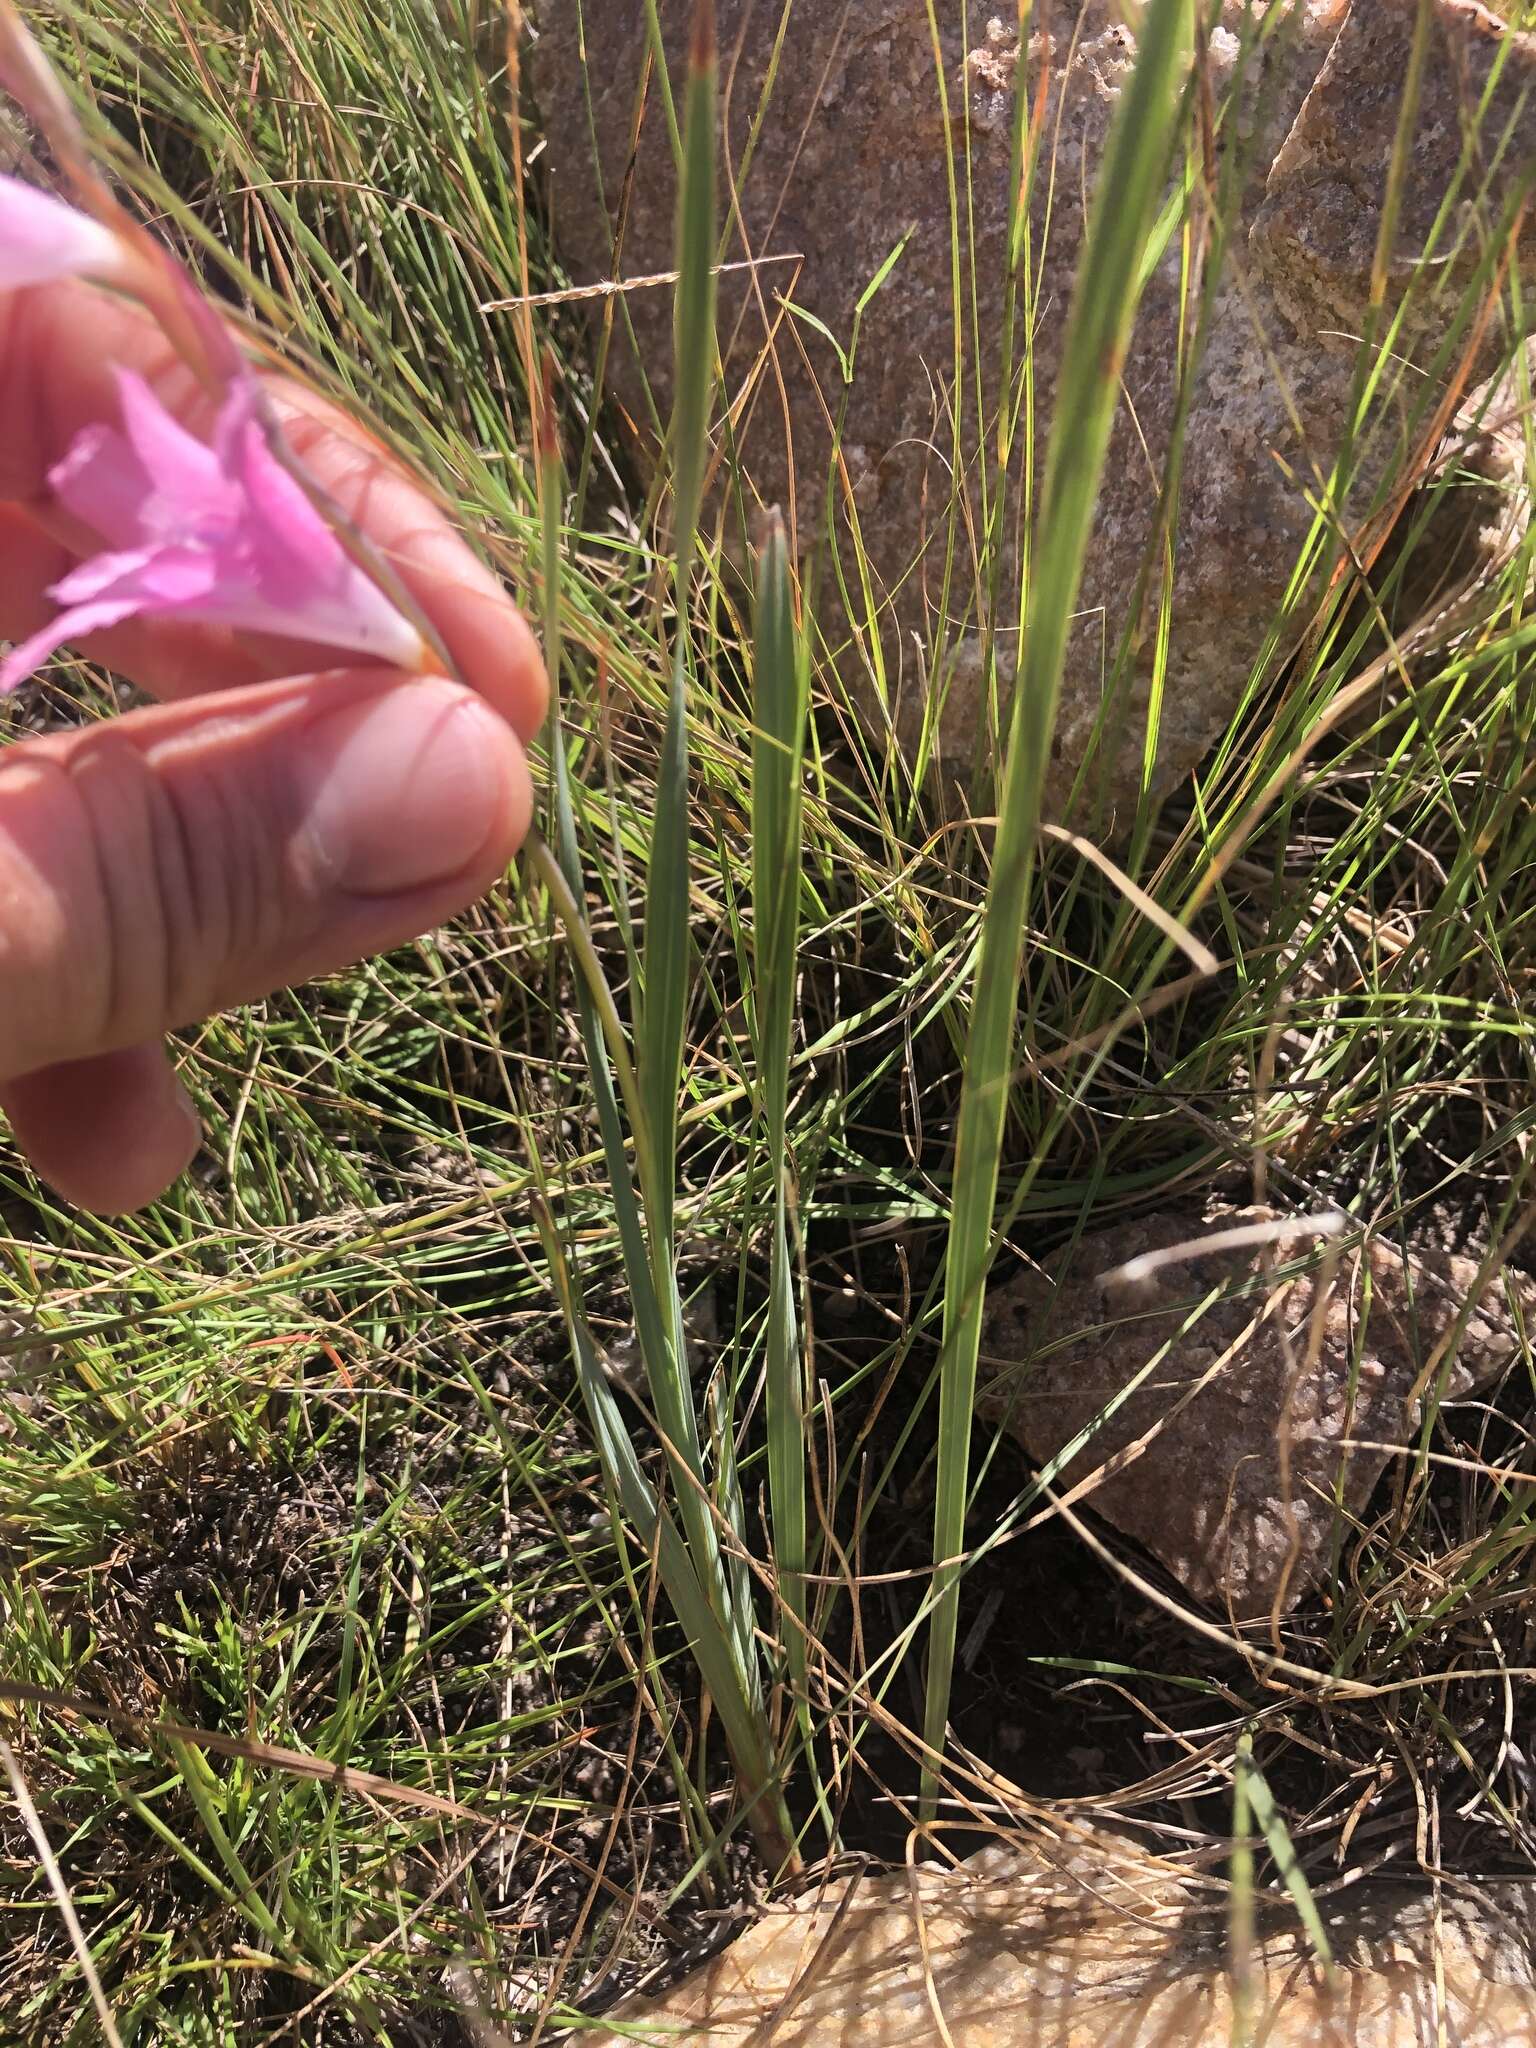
<point x="272" y="818"/>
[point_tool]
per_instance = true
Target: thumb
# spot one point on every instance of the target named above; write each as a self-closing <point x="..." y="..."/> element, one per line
<point x="192" y="856"/>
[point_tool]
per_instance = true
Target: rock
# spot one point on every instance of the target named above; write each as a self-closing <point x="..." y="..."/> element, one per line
<point x="1316" y="233"/>
<point x="1194" y="1456"/>
<point x="857" y="149"/>
<point x="1096" y="1945"/>
<point x="1459" y="540"/>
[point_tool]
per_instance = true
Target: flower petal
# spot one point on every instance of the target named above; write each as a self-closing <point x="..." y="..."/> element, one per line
<point x="41" y="239"/>
<point x="299" y="567"/>
<point x="153" y="482"/>
<point x="220" y="534"/>
<point x="189" y="484"/>
<point x="354" y="616"/>
<point x="161" y="580"/>
<point x="102" y="483"/>
<point x="288" y="533"/>
<point x="26" y="658"/>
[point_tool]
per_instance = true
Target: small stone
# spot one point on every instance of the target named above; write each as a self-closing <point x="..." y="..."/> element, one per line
<point x="1246" y="1432"/>
<point x="1092" y="1943"/>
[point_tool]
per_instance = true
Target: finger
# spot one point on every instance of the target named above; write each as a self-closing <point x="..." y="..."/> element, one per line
<point x="59" y="347"/>
<point x="158" y="868"/>
<point x="111" y="1133"/>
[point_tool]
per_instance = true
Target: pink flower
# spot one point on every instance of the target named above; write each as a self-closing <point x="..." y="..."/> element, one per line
<point x="220" y="535"/>
<point x="42" y="239"/>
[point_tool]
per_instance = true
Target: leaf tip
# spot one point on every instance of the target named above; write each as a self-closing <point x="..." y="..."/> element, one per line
<point x="702" y="45"/>
<point x="546" y="425"/>
<point x="767" y="529"/>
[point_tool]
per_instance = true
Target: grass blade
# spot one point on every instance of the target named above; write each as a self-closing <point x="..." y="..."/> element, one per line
<point x="1125" y="209"/>
<point x="666" y="950"/>
<point x="57" y="1885"/>
<point x="1240" y="1913"/>
<point x="780" y="709"/>
<point x="667" y="945"/>
<point x="725" y="1644"/>
<point x="650" y="1321"/>
<point x="713" y="1650"/>
<point x="1260" y="1802"/>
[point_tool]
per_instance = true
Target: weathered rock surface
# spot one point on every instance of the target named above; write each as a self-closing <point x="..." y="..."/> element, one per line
<point x="858" y="147"/>
<point x="1098" y="1947"/>
<point x="1226" y="1456"/>
<point x="1458" y="539"/>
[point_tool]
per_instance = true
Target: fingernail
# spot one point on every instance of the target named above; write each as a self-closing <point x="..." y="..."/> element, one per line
<point x="405" y="788"/>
